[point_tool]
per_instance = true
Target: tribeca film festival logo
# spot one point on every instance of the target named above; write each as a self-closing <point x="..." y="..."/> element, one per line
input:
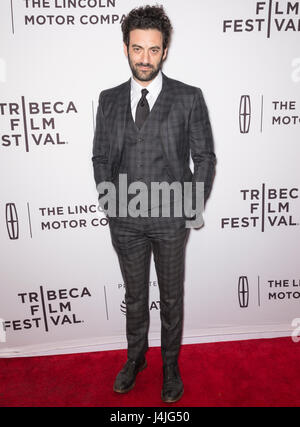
<point x="33" y="124"/>
<point x="48" y="309"/>
<point x="284" y="113"/>
<point x="65" y="12"/>
<point x="53" y="218"/>
<point x="267" y="207"/>
<point x="268" y="17"/>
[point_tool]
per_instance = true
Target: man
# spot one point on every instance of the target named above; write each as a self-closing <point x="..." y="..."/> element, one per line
<point x="146" y="129"/>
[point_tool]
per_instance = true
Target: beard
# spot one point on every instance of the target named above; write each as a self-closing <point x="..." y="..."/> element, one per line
<point x="145" y="76"/>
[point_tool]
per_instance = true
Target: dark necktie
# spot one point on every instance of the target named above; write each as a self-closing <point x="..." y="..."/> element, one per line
<point x="142" y="109"/>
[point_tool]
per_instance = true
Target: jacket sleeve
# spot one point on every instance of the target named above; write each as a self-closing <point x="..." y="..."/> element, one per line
<point x="201" y="145"/>
<point x="100" y="146"/>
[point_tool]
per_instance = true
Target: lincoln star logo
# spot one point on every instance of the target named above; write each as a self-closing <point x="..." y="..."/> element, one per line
<point x="243" y="291"/>
<point x="12" y="222"/>
<point x="245" y="114"/>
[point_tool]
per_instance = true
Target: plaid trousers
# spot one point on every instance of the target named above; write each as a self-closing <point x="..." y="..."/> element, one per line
<point x="134" y="239"/>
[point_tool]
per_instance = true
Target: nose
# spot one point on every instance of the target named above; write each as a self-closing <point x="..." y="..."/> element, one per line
<point x="146" y="57"/>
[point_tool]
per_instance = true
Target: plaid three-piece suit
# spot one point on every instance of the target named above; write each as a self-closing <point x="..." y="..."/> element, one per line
<point x="177" y="126"/>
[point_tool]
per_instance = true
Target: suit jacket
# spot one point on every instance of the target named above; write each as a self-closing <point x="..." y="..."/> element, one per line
<point x="185" y="130"/>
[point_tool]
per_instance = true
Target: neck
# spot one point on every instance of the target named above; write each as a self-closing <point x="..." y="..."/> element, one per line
<point x="141" y="82"/>
<point x="146" y="83"/>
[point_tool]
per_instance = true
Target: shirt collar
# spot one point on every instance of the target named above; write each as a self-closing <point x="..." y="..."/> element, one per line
<point x="153" y="88"/>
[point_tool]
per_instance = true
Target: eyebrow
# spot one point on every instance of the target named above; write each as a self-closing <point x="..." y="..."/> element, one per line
<point x="141" y="47"/>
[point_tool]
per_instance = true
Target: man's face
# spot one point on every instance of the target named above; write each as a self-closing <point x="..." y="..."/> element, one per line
<point x="145" y="54"/>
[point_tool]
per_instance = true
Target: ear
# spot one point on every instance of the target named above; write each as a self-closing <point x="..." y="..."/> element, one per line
<point x="165" y="53"/>
<point x="125" y="50"/>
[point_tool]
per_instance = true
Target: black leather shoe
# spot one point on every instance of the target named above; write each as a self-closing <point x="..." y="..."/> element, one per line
<point x="172" y="386"/>
<point x="125" y="380"/>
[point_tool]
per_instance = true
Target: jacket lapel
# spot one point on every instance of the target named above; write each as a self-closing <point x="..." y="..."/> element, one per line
<point x="165" y="107"/>
<point x="117" y="118"/>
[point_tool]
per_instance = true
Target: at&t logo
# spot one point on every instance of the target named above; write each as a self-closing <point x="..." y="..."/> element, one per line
<point x="154" y="305"/>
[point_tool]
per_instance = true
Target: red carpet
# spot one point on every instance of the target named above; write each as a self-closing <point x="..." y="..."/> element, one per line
<point x="242" y="373"/>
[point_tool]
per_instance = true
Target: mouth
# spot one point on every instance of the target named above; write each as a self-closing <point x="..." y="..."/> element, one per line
<point x="144" y="68"/>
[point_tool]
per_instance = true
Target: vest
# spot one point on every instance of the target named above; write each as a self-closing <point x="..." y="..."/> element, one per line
<point x="142" y="160"/>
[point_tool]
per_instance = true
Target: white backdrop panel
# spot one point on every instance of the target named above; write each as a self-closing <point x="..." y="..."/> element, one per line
<point x="61" y="287"/>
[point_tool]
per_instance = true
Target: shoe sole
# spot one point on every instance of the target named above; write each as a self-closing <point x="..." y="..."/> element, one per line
<point x="126" y="390"/>
<point x="171" y="400"/>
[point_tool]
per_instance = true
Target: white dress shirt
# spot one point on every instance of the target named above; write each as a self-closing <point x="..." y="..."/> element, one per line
<point x="154" y="89"/>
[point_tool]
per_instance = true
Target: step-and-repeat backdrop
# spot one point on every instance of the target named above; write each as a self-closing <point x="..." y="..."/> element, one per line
<point x="61" y="287"/>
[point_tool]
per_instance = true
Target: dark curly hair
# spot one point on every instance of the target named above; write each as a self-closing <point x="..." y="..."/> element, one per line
<point x="147" y="17"/>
